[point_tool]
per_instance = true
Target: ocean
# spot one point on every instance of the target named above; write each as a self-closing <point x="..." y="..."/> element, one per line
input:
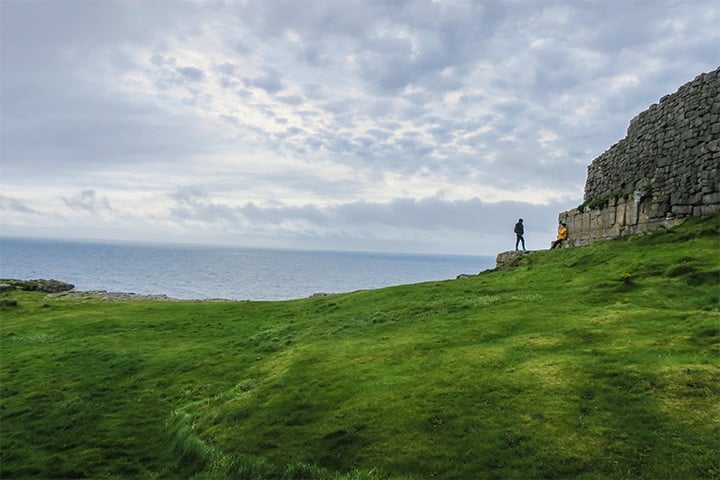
<point x="209" y="272"/>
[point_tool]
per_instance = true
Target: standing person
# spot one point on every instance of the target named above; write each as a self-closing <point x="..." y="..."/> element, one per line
<point x="561" y="236"/>
<point x="519" y="234"/>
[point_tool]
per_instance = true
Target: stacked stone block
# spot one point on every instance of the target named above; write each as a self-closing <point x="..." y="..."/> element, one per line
<point x="664" y="170"/>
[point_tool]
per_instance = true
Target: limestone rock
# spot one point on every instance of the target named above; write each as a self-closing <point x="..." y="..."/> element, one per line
<point x="40" y="285"/>
<point x="508" y="259"/>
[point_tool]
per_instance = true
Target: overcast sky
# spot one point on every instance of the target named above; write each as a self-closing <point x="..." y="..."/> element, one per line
<point x="402" y="126"/>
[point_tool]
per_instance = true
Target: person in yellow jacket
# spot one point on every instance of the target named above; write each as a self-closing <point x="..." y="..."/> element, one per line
<point x="561" y="236"/>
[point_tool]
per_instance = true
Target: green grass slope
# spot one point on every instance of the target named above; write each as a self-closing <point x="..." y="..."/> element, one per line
<point x="595" y="362"/>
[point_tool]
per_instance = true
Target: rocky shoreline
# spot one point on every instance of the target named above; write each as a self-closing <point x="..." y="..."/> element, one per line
<point x="39" y="285"/>
<point x="56" y="288"/>
<point x="114" y="296"/>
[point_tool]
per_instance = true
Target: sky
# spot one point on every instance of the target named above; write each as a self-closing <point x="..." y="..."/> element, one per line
<point x="411" y="126"/>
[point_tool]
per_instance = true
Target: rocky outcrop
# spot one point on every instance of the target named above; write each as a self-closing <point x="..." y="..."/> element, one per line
<point x="508" y="259"/>
<point x="113" y="296"/>
<point x="48" y="286"/>
<point x="62" y="289"/>
<point x="666" y="169"/>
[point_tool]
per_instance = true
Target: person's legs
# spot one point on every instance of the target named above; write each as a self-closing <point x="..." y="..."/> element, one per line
<point x="517" y="241"/>
<point x="522" y="239"/>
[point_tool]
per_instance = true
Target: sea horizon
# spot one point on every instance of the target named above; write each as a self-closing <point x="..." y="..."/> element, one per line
<point x="192" y="271"/>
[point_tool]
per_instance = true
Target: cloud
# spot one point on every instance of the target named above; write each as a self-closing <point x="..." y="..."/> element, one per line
<point x="428" y="218"/>
<point x="322" y="122"/>
<point x="88" y="201"/>
<point x="191" y="73"/>
<point x="192" y="203"/>
<point x="290" y="99"/>
<point x="63" y="130"/>
<point x="12" y="205"/>
<point x="270" y="81"/>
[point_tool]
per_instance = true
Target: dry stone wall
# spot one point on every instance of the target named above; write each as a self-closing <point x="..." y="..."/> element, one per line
<point x="666" y="169"/>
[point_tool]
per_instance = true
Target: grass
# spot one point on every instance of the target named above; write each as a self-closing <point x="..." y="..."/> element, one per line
<point x="592" y="363"/>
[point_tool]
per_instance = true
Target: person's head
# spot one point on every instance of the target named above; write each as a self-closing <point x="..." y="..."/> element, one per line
<point x="563" y="224"/>
<point x="521" y="220"/>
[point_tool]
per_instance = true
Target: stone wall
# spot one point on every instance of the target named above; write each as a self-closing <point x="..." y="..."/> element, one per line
<point x="666" y="168"/>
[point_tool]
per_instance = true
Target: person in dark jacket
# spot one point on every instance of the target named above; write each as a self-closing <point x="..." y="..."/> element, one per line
<point x="519" y="234"/>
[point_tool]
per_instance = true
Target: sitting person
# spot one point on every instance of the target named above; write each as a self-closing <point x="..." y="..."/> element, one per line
<point x="561" y="236"/>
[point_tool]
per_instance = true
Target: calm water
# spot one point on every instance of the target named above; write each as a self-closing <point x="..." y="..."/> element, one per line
<point x="200" y="272"/>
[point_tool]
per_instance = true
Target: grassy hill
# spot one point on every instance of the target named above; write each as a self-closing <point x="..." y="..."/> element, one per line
<point x="595" y="362"/>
